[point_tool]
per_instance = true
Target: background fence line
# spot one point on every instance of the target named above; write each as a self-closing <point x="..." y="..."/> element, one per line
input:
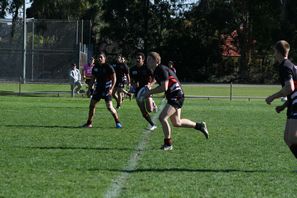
<point x="51" y="47"/>
<point x="192" y="91"/>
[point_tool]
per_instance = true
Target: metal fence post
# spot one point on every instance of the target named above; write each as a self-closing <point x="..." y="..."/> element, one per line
<point x="231" y="90"/>
<point x="32" y="53"/>
<point x="24" y="42"/>
<point x="20" y="85"/>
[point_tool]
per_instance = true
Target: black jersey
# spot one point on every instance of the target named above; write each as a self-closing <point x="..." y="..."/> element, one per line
<point x="103" y="75"/>
<point x="134" y="72"/>
<point x="121" y="70"/>
<point x="288" y="71"/>
<point x="141" y="75"/>
<point x="163" y="73"/>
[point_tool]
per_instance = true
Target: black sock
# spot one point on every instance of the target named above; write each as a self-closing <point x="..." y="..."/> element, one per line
<point x="168" y="141"/>
<point x="294" y="149"/>
<point x="198" y="126"/>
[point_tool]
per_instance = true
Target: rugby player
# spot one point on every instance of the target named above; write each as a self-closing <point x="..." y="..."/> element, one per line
<point x="104" y="77"/>
<point x="288" y="80"/>
<point x="141" y="76"/>
<point x="170" y="85"/>
<point x="123" y="78"/>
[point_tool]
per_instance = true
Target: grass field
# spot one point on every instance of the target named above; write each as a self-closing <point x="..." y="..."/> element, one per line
<point x="44" y="153"/>
<point x="190" y="89"/>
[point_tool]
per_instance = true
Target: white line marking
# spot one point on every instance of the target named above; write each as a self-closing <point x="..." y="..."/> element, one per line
<point x="117" y="184"/>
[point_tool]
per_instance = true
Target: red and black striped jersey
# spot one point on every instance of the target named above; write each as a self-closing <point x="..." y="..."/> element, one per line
<point x="163" y="73"/>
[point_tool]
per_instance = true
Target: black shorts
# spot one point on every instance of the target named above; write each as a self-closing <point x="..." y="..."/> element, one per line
<point x="120" y="84"/>
<point x="176" y="100"/>
<point x="88" y="81"/>
<point x="98" y="95"/>
<point x="292" y="111"/>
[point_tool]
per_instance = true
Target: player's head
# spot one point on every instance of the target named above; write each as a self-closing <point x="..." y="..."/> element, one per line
<point x="153" y="60"/>
<point x="73" y="65"/>
<point x="123" y="59"/>
<point x="170" y="64"/>
<point x="92" y="60"/>
<point x="101" y="58"/>
<point x="140" y="57"/>
<point x="281" y="49"/>
<point x="119" y="58"/>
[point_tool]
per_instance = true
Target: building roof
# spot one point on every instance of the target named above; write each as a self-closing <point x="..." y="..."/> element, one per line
<point x="229" y="48"/>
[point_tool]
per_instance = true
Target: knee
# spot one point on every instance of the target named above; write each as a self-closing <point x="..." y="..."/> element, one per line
<point x="176" y="124"/>
<point x="110" y="109"/>
<point x="145" y="115"/>
<point x="92" y="106"/>
<point x="150" y="108"/>
<point x="162" y="119"/>
<point x="93" y="103"/>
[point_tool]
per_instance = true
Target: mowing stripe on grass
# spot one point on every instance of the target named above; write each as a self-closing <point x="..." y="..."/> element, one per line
<point x="116" y="187"/>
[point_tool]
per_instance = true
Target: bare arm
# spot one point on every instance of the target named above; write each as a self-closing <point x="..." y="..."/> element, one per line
<point x="128" y="78"/>
<point x="285" y="91"/>
<point x="159" y="89"/>
<point x="113" y="81"/>
<point x="282" y="107"/>
<point x="152" y="83"/>
<point x="92" y="82"/>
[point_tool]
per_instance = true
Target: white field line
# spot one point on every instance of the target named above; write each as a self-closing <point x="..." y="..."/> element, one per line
<point x="117" y="184"/>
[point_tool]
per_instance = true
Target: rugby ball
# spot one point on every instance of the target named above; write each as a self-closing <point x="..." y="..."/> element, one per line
<point x="284" y="99"/>
<point x="141" y="93"/>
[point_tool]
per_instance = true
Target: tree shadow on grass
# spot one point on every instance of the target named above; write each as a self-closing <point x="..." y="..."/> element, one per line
<point x="8" y="93"/>
<point x="76" y="148"/>
<point x="48" y="126"/>
<point x="190" y="170"/>
<point x="196" y="170"/>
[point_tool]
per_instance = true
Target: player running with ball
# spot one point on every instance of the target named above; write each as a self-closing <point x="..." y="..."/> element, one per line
<point x="288" y="78"/>
<point x="169" y="84"/>
<point x="141" y="78"/>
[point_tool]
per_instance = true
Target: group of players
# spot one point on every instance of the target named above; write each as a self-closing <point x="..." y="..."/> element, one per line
<point x="108" y="81"/>
<point x="145" y="75"/>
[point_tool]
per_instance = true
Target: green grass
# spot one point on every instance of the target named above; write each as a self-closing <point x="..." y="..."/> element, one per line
<point x="45" y="154"/>
<point x="14" y="87"/>
<point x="190" y="89"/>
<point x="224" y="90"/>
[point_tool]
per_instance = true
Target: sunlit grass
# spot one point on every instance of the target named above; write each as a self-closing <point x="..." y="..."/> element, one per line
<point x="44" y="153"/>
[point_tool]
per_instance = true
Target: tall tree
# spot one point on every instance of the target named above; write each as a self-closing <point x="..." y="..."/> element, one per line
<point x="11" y="7"/>
<point x="3" y="8"/>
<point x="70" y="10"/>
<point x="126" y="24"/>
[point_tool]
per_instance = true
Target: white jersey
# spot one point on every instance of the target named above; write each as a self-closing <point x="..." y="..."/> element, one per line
<point x="75" y="75"/>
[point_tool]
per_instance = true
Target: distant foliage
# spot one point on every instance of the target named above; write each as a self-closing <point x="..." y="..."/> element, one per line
<point x="190" y="34"/>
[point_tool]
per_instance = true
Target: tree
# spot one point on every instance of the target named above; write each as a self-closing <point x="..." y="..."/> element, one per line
<point x="126" y="25"/>
<point x="10" y="7"/>
<point x="189" y="33"/>
<point x="3" y="8"/>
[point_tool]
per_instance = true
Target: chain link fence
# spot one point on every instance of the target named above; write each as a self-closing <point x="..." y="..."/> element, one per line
<point x="51" y="47"/>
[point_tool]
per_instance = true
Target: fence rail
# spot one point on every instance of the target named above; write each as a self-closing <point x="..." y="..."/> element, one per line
<point x="192" y="91"/>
